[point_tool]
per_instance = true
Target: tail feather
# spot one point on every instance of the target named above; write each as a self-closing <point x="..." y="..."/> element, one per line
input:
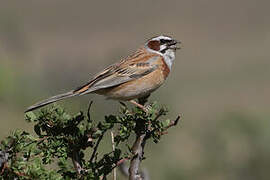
<point x="51" y="100"/>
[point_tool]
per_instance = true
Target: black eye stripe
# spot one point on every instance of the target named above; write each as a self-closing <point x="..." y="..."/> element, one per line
<point x="165" y="41"/>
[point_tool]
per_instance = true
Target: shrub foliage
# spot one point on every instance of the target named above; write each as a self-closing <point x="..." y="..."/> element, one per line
<point x="66" y="146"/>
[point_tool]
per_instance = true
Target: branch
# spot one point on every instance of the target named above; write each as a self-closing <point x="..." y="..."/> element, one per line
<point x="113" y="148"/>
<point x="138" y="146"/>
<point x="96" y="147"/>
<point x="172" y="123"/>
<point x="138" y="151"/>
<point x="88" y="111"/>
<point x="123" y="167"/>
<point x="100" y="137"/>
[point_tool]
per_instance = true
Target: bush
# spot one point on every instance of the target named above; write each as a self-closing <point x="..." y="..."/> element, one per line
<point x="61" y="137"/>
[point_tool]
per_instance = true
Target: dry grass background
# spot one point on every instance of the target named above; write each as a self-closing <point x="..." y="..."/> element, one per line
<point x="220" y="80"/>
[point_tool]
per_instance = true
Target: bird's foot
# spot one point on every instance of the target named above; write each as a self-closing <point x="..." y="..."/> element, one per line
<point x="144" y="108"/>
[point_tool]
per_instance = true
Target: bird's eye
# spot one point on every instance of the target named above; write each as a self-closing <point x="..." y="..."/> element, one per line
<point x="165" y="41"/>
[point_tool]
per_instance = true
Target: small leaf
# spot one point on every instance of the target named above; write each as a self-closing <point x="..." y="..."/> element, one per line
<point x="30" y="117"/>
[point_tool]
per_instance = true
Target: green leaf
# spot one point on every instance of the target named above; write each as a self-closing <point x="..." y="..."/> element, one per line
<point x="30" y="117"/>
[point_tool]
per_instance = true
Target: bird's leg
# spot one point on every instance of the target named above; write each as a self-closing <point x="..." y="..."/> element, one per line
<point x="143" y="100"/>
<point x="139" y="105"/>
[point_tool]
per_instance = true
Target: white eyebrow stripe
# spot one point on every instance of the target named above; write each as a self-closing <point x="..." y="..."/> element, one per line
<point x="162" y="37"/>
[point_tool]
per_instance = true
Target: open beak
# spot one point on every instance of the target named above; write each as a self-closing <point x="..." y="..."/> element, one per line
<point x="173" y="45"/>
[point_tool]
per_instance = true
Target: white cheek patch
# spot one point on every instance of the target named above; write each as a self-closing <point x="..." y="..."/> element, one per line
<point x="162" y="47"/>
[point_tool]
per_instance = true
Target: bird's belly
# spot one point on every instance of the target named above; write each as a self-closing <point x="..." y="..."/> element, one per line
<point x="136" y="88"/>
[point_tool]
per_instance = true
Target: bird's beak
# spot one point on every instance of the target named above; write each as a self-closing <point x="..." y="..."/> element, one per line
<point x="173" y="44"/>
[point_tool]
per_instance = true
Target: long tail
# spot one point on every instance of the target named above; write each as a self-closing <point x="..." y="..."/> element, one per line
<point x="51" y="100"/>
<point x="82" y="90"/>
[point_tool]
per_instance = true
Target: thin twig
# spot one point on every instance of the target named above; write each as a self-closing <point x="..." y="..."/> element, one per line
<point x="88" y="111"/>
<point x="113" y="148"/>
<point x="96" y="147"/>
<point x="172" y="123"/>
<point x="20" y="173"/>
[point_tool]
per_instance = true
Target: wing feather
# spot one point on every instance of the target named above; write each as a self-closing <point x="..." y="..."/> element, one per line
<point x="120" y="73"/>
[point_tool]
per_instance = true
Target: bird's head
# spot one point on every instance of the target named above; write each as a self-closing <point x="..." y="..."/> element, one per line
<point x="165" y="46"/>
<point x="162" y="43"/>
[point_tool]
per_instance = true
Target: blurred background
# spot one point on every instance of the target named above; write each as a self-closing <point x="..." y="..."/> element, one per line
<point x="220" y="81"/>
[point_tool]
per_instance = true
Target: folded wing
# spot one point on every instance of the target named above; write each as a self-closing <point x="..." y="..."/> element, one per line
<point x="120" y="73"/>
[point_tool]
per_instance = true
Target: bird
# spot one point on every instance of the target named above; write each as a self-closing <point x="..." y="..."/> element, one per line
<point x="133" y="77"/>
